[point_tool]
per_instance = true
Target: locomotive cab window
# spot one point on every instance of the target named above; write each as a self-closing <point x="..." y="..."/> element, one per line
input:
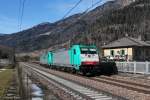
<point x="84" y="51"/>
<point x="88" y="51"/>
<point x="92" y="51"/>
<point x="74" y="51"/>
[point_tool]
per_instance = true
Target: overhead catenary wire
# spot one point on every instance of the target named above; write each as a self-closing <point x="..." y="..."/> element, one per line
<point x="88" y="9"/>
<point x="85" y="12"/>
<point x="92" y="2"/>
<point x="72" y="9"/>
<point x="21" y="13"/>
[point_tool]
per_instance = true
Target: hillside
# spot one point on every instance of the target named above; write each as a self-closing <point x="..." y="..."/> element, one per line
<point x="1" y="34"/>
<point x="103" y="24"/>
<point x="133" y="20"/>
<point x="6" y="52"/>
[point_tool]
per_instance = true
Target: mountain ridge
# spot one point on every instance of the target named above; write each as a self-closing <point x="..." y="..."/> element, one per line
<point x="47" y="34"/>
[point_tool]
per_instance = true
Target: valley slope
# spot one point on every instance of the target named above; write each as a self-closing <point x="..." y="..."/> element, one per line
<point x="103" y="24"/>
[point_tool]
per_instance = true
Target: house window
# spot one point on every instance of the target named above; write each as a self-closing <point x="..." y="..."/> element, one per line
<point x="112" y="52"/>
<point x="122" y="52"/>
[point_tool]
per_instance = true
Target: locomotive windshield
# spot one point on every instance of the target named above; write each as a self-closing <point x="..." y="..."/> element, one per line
<point x="88" y="51"/>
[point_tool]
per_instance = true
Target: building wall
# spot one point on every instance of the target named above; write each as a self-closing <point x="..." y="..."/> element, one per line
<point x="130" y="54"/>
<point x="119" y="53"/>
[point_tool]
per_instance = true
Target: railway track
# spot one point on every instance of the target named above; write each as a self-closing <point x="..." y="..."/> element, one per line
<point x="136" y="78"/>
<point x="125" y="84"/>
<point x="141" y="88"/>
<point x="80" y="92"/>
<point x="131" y="82"/>
<point x="122" y="90"/>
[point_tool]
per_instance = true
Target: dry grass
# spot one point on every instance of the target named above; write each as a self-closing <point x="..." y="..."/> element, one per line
<point x="5" y="78"/>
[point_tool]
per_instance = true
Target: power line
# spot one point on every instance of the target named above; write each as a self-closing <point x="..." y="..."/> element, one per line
<point x="88" y="9"/>
<point x="85" y="12"/>
<point x="19" y="13"/>
<point x="22" y="13"/>
<point x="72" y="8"/>
<point x="21" y="18"/>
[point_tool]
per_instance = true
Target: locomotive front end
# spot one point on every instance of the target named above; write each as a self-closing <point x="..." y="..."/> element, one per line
<point x="89" y="59"/>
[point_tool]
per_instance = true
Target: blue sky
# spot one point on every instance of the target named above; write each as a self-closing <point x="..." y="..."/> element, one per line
<point x="36" y="11"/>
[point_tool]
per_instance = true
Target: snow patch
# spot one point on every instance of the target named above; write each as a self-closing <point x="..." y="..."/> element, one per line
<point x="47" y="33"/>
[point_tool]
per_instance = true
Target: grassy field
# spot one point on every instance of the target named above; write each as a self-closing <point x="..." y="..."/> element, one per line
<point x="5" y="78"/>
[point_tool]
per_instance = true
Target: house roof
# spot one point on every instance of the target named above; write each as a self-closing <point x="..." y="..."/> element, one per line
<point x="127" y="42"/>
<point x="148" y="42"/>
